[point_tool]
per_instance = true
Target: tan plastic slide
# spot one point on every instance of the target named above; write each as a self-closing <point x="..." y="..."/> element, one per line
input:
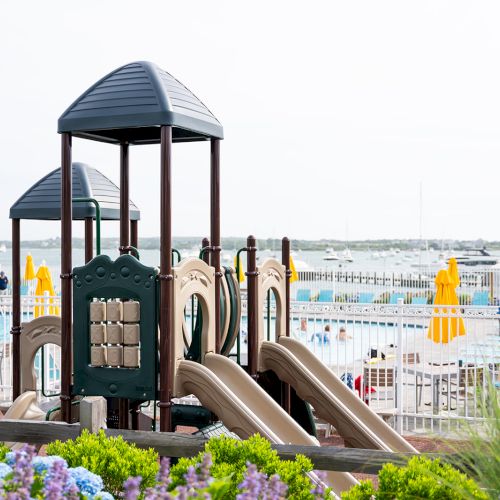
<point x="245" y="408"/>
<point x="24" y="408"/>
<point x="332" y="400"/>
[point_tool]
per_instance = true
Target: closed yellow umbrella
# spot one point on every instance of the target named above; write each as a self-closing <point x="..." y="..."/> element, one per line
<point x="241" y="274"/>
<point x="454" y="282"/>
<point x="442" y="328"/>
<point x="44" y="285"/>
<point x="295" y="274"/>
<point x="29" y="268"/>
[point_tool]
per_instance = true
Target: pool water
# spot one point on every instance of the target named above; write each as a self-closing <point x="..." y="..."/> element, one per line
<point x="361" y="338"/>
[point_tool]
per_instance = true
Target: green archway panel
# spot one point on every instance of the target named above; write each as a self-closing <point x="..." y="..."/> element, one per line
<point x="100" y="363"/>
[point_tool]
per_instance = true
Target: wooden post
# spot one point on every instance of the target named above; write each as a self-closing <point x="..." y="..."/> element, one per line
<point x="252" y="312"/>
<point x="134" y="233"/>
<point x="93" y="412"/>
<point x="215" y="232"/>
<point x="123" y="405"/>
<point x="66" y="277"/>
<point x="16" y="308"/>
<point x="166" y="282"/>
<point x="285" y="260"/>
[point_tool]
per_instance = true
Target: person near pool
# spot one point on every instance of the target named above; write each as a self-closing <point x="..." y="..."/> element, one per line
<point x="4" y="282"/>
<point x="322" y="336"/>
<point x="342" y="335"/>
<point x="301" y="332"/>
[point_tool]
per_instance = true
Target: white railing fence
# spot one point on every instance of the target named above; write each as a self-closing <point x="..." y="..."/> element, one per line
<point x="47" y="364"/>
<point x="387" y="356"/>
<point x="477" y="287"/>
<point x="382" y="351"/>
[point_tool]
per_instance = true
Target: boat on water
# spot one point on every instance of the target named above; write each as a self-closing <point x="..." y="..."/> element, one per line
<point x="3" y="248"/>
<point x="347" y="255"/>
<point x="331" y="254"/>
<point x="476" y="257"/>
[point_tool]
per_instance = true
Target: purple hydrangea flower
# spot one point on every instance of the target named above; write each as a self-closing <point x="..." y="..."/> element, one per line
<point x="252" y="483"/>
<point x="319" y="488"/>
<point x="56" y="480"/>
<point x="132" y="487"/>
<point x="23" y="476"/>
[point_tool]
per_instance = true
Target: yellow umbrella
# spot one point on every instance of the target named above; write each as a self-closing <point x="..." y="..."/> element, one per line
<point x="442" y="329"/>
<point x="29" y="268"/>
<point x="295" y="274"/>
<point x="454" y="282"/>
<point x="241" y="274"/>
<point x="44" y="284"/>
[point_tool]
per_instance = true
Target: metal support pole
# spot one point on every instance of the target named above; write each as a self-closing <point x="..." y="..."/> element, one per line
<point x="399" y="369"/>
<point x="285" y="260"/>
<point x="123" y="405"/>
<point x="205" y="243"/>
<point x="215" y="231"/>
<point x="16" y="308"/>
<point x="66" y="277"/>
<point x="89" y="239"/>
<point x="166" y="282"/>
<point x="252" y="312"/>
<point x="124" y="199"/>
<point x="134" y="233"/>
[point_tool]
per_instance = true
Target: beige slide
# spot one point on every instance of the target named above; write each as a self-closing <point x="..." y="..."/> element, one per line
<point x="332" y="400"/>
<point x="24" y="408"/>
<point x="245" y="408"/>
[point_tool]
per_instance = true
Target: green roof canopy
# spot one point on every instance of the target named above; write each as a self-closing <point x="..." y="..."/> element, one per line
<point x="132" y="102"/>
<point x="43" y="200"/>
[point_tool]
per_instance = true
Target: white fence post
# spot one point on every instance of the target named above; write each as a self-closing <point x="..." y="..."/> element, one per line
<point x="399" y="369"/>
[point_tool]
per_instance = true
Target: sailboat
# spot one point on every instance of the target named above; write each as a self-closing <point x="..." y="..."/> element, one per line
<point x="347" y="255"/>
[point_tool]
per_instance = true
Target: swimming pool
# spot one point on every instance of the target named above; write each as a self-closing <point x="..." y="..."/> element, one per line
<point x="361" y="337"/>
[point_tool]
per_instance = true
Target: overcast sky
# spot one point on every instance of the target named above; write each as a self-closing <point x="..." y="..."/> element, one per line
<point x="334" y="112"/>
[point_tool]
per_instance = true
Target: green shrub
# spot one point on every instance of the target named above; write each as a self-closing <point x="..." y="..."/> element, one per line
<point x="479" y="450"/>
<point x="420" y="478"/>
<point x="230" y="457"/>
<point x="3" y="451"/>
<point x="113" y="459"/>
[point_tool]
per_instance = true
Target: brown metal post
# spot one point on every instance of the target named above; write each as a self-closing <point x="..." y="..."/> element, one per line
<point x="16" y="308"/>
<point x="252" y="313"/>
<point x="285" y="260"/>
<point x="89" y="239"/>
<point x="134" y="233"/>
<point x="166" y="282"/>
<point x="123" y="405"/>
<point x="215" y="231"/>
<point x="206" y="256"/>
<point x="66" y="270"/>
<point x="124" y="199"/>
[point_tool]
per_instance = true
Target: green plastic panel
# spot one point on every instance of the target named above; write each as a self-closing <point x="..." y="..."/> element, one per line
<point x="125" y="279"/>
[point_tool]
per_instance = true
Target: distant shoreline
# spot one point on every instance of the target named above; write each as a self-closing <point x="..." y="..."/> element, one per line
<point x="230" y="243"/>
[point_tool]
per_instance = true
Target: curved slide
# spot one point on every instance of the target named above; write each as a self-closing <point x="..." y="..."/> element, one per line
<point x="245" y="408"/>
<point x="332" y="400"/>
<point x="24" y="407"/>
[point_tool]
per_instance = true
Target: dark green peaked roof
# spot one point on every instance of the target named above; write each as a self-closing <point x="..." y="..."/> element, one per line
<point x="43" y="200"/>
<point x="132" y="102"/>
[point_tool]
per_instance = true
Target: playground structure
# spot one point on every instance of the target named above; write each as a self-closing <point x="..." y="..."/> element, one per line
<point x="95" y="198"/>
<point x="111" y="310"/>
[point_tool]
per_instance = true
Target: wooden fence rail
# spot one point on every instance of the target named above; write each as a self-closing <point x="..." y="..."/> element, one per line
<point x="185" y="445"/>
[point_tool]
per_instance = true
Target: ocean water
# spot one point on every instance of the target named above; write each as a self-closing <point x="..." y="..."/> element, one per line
<point x="407" y="261"/>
